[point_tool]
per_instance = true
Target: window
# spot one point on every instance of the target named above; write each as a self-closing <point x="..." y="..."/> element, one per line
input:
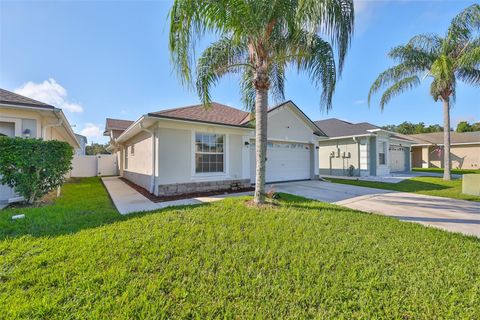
<point x="132" y="149"/>
<point x="381" y="153"/>
<point x="209" y="153"/>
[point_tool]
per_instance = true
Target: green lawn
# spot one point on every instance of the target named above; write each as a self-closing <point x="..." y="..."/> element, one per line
<point x="433" y="186"/>
<point x="440" y="170"/>
<point x="300" y="259"/>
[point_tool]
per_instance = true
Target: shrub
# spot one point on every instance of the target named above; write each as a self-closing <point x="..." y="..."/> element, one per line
<point x="33" y="167"/>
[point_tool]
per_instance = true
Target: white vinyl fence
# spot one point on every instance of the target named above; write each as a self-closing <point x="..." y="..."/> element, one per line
<point x="91" y="166"/>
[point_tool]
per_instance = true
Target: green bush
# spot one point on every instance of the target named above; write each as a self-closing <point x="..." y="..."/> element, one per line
<point x="33" y="167"/>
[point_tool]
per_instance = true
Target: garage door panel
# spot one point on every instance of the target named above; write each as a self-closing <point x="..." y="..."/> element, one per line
<point x="285" y="161"/>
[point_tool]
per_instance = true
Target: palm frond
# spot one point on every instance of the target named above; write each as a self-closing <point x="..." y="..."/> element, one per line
<point x="469" y="75"/>
<point x="392" y="75"/>
<point x="418" y="57"/>
<point x="333" y="18"/>
<point x="247" y="90"/>
<point x="470" y="58"/>
<point x="398" y="88"/>
<point x="277" y="82"/>
<point x="221" y="57"/>
<point x="315" y="56"/>
<point x="464" y="25"/>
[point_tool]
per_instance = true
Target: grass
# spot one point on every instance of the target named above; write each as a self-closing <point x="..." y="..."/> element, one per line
<point x="300" y="259"/>
<point x="432" y="186"/>
<point x="84" y="204"/>
<point x="440" y="170"/>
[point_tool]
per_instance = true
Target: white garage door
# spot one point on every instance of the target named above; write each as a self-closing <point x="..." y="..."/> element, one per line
<point x="397" y="158"/>
<point x="285" y="161"/>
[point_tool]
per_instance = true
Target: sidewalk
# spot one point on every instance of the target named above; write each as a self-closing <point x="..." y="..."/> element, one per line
<point x="128" y="200"/>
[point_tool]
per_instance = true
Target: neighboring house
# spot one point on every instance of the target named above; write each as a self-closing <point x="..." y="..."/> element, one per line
<point x="427" y="151"/>
<point x="193" y="149"/>
<point x="82" y="140"/>
<point x="361" y="149"/>
<point x="24" y="117"/>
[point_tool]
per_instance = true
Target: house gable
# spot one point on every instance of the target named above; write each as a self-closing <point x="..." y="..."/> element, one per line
<point x="287" y="123"/>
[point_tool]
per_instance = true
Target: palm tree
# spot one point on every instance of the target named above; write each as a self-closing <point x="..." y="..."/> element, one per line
<point x="258" y="40"/>
<point x="456" y="56"/>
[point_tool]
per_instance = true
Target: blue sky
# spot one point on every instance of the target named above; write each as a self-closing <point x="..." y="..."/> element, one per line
<point x="110" y="59"/>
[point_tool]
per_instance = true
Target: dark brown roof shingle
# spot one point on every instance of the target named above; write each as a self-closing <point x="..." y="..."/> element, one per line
<point x="216" y="113"/>
<point x="12" y="98"/>
<point x="117" y="124"/>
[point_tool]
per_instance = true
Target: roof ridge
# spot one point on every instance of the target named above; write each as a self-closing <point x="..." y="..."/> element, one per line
<point x="196" y="106"/>
<point x="119" y="119"/>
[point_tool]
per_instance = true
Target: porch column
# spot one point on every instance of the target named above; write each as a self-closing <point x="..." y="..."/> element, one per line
<point x="425" y="157"/>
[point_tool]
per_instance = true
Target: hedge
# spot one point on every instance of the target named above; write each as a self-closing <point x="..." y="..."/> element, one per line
<point x="33" y="167"/>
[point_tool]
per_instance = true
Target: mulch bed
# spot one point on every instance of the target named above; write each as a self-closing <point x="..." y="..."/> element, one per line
<point x="155" y="198"/>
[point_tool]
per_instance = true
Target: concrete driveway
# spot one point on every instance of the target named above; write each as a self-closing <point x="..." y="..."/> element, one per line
<point x="444" y="213"/>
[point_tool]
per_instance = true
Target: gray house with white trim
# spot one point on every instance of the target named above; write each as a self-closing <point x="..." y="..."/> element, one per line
<point x="361" y="149"/>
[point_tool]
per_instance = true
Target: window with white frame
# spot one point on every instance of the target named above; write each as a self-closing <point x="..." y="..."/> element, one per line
<point x="132" y="149"/>
<point x="209" y="153"/>
<point x="382" y="151"/>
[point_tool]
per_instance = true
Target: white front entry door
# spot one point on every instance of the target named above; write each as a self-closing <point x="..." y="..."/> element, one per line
<point x="285" y="161"/>
<point x="397" y="158"/>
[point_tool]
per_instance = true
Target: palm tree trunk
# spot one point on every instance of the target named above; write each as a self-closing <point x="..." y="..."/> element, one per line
<point x="446" y="139"/>
<point x="261" y="113"/>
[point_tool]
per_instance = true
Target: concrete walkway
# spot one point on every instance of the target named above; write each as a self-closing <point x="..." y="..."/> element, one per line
<point x="444" y="213"/>
<point x="128" y="200"/>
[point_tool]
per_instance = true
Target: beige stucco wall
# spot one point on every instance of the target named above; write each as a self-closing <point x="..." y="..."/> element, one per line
<point x="466" y="157"/>
<point x="36" y="120"/>
<point x="463" y="157"/>
<point x="338" y="165"/>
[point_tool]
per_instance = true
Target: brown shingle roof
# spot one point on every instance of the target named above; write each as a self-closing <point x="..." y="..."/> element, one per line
<point x="117" y="124"/>
<point x="437" y="137"/>
<point x="9" y="97"/>
<point x="217" y="113"/>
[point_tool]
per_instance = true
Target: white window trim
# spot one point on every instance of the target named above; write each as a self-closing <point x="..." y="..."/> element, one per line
<point x="387" y="157"/>
<point x="210" y="175"/>
<point x="17" y="125"/>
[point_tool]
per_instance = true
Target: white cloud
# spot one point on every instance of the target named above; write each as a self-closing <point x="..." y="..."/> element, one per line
<point x="360" y="101"/>
<point x="51" y="92"/>
<point x="91" y="130"/>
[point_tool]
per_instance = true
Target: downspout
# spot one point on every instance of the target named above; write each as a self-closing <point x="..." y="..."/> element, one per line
<point x="358" y="152"/>
<point x="153" y="177"/>
<point x="44" y="131"/>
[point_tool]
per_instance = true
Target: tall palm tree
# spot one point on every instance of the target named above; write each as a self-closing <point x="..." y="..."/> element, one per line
<point x="259" y="39"/>
<point x="456" y="56"/>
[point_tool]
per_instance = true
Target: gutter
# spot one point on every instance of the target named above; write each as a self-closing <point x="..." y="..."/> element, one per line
<point x="153" y="175"/>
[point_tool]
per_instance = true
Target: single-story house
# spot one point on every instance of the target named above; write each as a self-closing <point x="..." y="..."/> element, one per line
<point x="24" y="117"/>
<point x="361" y="149"/>
<point x="193" y="148"/>
<point x="427" y="150"/>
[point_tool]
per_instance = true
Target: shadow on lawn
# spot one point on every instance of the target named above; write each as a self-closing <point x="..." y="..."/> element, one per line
<point x="83" y="205"/>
